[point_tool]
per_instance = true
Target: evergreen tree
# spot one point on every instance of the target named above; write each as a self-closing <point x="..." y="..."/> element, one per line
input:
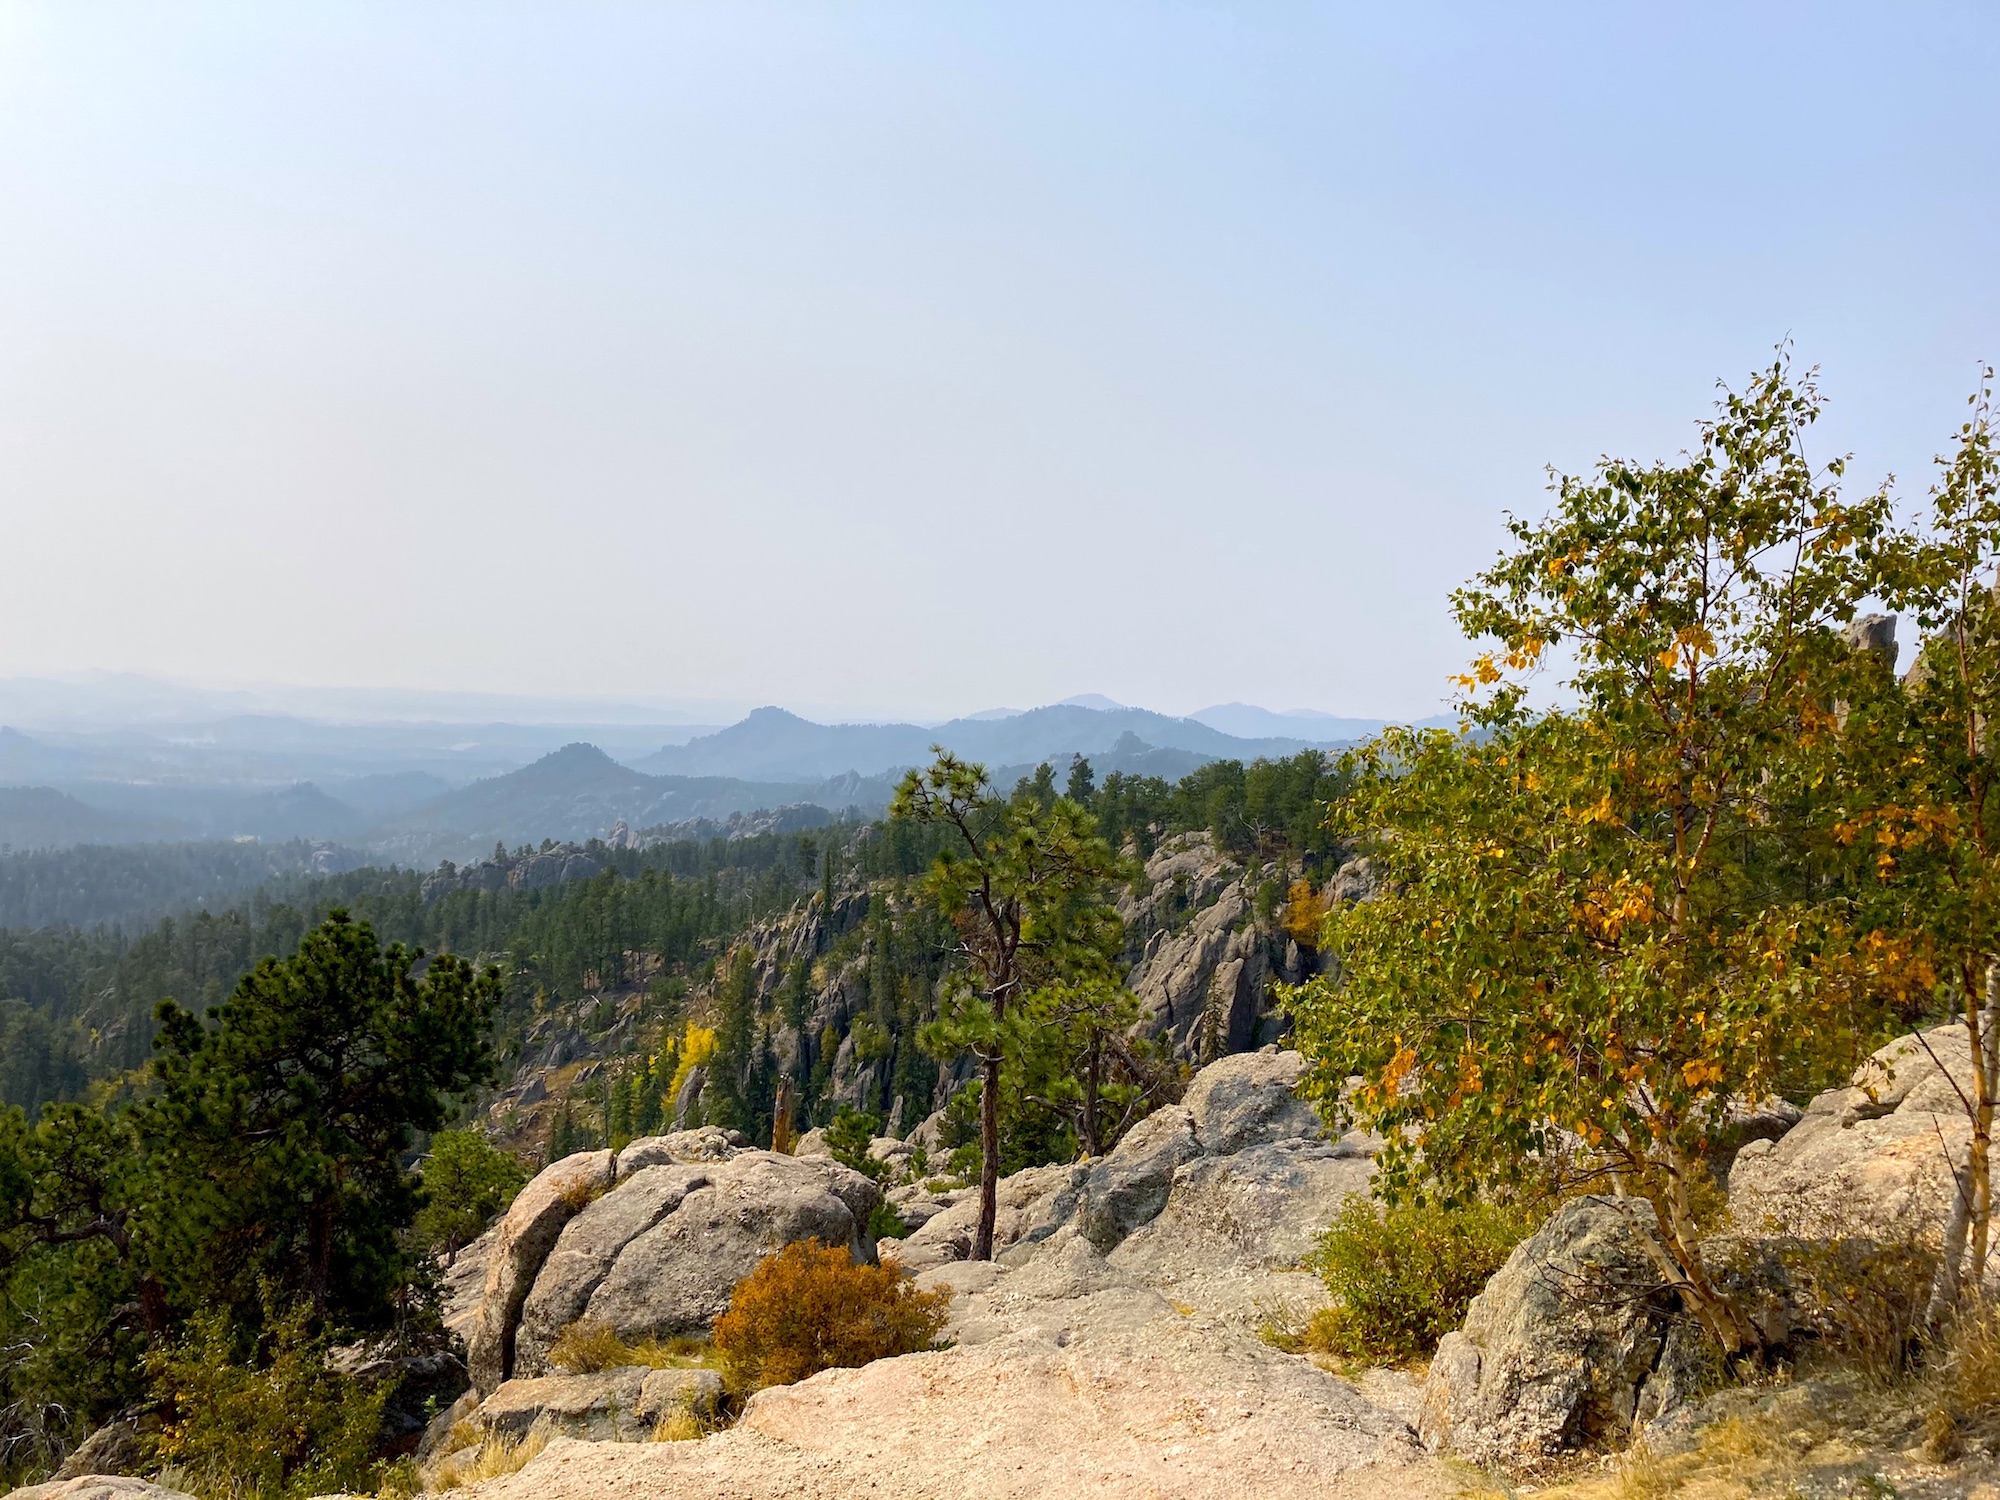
<point x="1027" y="882"/>
<point x="278" y="1131"/>
<point x="1082" y="784"/>
<point x="730" y="1098"/>
<point x="467" y="1181"/>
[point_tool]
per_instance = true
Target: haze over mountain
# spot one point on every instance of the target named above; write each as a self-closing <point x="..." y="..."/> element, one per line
<point x="419" y="790"/>
<point x="580" y="793"/>
<point x="40" y="817"/>
<point x="1251" y="722"/>
<point x="114" y="700"/>
<point x="773" y="743"/>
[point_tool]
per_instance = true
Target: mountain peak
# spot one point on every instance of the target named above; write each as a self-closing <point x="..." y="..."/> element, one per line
<point x="578" y="756"/>
<point x="1095" y="701"/>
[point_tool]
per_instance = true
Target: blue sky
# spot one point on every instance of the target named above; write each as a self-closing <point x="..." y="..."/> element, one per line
<point x="911" y="359"/>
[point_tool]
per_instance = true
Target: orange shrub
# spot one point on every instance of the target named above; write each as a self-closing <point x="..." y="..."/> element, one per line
<point x="810" y="1308"/>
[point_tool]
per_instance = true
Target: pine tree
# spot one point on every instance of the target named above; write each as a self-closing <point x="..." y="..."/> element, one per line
<point x="1027" y="882"/>
<point x="1082" y="783"/>
<point x="731" y="1104"/>
<point x="278" y="1131"/>
<point x="618" y="1109"/>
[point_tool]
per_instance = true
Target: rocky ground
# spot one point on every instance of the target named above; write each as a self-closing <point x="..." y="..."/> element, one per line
<point x="1114" y="1346"/>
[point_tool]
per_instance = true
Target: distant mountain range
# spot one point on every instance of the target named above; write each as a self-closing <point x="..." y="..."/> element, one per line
<point x="579" y="792"/>
<point x="402" y="791"/>
<point x="40" y="817"/>
<point x="1248" y="721"/>
<point x="772" y="744"/>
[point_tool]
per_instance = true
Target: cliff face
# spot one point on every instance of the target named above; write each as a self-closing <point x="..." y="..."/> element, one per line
<point x="1205" y="965"/>
<point x="841" y="987"/>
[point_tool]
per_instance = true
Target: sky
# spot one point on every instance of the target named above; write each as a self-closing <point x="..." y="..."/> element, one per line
<point x="907" y="360"/>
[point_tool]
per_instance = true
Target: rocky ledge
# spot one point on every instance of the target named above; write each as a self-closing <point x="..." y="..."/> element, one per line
<point x="1112" y="1348"/>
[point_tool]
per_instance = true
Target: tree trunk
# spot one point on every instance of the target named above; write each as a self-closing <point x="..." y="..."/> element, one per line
<point x="1986" y="1064"/>
<point x="1951" y="1257"/>
<point x="153" y="1308"/>
<point x="781" y="1119"/>
<point x="1093" y="1056"/>
<point x="1971" y="1216"/>
<point x="1676" y="1249"/>
<point x="989" y="1157"/>
<point x="319" y="1256"/>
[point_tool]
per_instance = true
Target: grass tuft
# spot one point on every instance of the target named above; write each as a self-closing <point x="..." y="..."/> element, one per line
<point x="588" y="1345"/>
<point x="496" y="1456"/>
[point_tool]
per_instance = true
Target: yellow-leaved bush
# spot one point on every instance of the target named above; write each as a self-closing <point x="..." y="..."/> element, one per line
<point x="809" y="1308"/>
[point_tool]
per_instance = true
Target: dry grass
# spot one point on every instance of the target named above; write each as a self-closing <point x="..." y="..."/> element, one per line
<point x="1812" y="1439"/>
<point x="580" y="1194"/>
<point x="495" y="1457"/>
<point x="682" y="1425"/>
<point x="587" y="1346"/>
<point x="1961" y="1386"/>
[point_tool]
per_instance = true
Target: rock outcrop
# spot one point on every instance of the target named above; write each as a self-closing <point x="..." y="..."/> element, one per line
<point x="1212" y="1202"/>
<point x="620" y="1405"/>
<point x="1569" y="1347"/>
<point x="587" y="1251"/>
<point x="114" y="1449"/>
<point x="1137" y="1372"/>
<point x="465" y="1286"/>
<point x="651" y="1244"/>
<point x="98" y="1487"/>
<point x="1877" y="1155"/>
<point x="524" y="870"/>
<point x="1029" y="1206"/>
<point x="1204" y="970"/>
<point x="1250" y="1100"/>
<point x="514" y="1258"/>
<point x="1130" y="1186"/>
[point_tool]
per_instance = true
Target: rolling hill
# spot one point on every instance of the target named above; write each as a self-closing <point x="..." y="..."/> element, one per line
<point x="579" y="792"/>
<point x="40" y="817"/>
<point x="774" y="744"/>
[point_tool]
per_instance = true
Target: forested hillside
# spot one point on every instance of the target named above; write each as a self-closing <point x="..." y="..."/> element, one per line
<point x="135" y="885"/>
<point x="76" y="1004"/>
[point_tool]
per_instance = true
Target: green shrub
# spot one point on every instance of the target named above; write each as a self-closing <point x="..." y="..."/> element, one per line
<point x="1402" y="1277"/>
<point x="279" y="1425"/>
<point x="884" y="1223"/>
<point x="848" y="1136"/>
<point x="810" y="1308"/>
<point x="467" y="1182"/>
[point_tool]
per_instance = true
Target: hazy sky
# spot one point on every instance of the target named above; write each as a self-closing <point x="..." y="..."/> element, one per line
<point x="914" y="359"/>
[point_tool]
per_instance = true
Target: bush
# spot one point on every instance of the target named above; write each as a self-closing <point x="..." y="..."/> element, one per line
<point x="1402" y="1277"/>
<point x="279" y="1426"/>
<point x="467" y="1182"/>
<point x="848" y="1137"/>
<point x="810" y="1308"/>
<point x="884" y="1223"/>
